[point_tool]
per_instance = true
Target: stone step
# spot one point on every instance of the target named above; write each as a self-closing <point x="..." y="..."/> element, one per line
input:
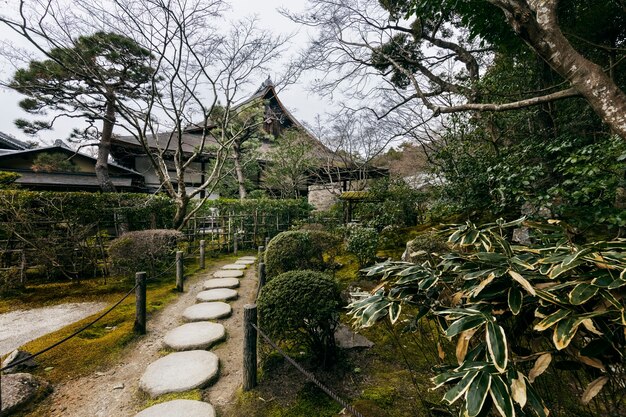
<point x="244" y="262"/>
<point x="179" y="408"/>
<point x="234" y="266"/>
<point x="233" y="273"/>
<point x="250" y="258"/>
<point x="179" y="372"/>
<point x="220" y="283"/>
<point x="207" y="311"/>
<point x="218" y="294"/>
<point x="192" y="336"/>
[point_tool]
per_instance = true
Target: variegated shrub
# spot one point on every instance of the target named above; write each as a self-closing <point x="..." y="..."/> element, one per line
<point x="514" y="311"/>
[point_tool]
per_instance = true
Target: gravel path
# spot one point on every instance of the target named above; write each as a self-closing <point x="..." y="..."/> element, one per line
<point x="21" y="326"/>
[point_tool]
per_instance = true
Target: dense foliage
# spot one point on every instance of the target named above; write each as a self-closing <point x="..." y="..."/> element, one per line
<point x="514" y="310"/>
<point x="391" y="202"/>
<point x="293" y="209"/>
<point x="144" y="250"/>
<point x="362" y="242"/>
<point x="301" y="308"/>
<point x="297" y="250"/>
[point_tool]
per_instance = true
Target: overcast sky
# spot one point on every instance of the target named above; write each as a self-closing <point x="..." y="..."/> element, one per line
<point x="302" y="104"/>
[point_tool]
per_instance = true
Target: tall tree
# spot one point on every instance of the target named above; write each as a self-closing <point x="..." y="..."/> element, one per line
<point x="434" y="52"/>
<point x="85" y="79"/>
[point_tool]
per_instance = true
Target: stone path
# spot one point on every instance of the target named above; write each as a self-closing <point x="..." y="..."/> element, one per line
<point x="191" y="366"/>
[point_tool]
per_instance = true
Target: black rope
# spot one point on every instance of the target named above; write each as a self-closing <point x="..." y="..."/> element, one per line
<point x="309" y="375"/>
<point x="65" y="339"/>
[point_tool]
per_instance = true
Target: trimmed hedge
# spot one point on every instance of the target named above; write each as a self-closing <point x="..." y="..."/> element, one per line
<point x="301" y="308"/>
<point x="297" y="249"/>
<point x="294" y="209"/>
<point x="64" y="234"/>
<point x="145" y="250"/>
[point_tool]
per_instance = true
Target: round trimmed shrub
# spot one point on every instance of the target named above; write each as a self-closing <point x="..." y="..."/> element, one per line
<point x="145" y="250"/>
<point x="301" y="308"/>
<point x="297" y="250"/>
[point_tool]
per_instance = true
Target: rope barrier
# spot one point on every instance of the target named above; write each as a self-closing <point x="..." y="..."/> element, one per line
<point x="309" y="375"/>
<point x="65" y="339"/>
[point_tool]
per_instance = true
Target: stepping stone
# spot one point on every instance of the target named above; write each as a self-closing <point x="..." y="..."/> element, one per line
<point x="218" y="294"/>
<point x="207" y="311"/>
<point x="234" y="266"/>
<point x="179" y="372"/>
<point x="221" y="283"/>
<point x="233" y="273"/>
<point x="244" y="262"/>
<point x="248" y="258"/>
<point x="179" y="408"/>
<point x="192" y="336"/>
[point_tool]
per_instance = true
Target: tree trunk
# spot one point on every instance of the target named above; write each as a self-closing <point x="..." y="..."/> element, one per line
<point x="239" y="172"/>
<point x="182" y="202"/>
<point x="535" y="21"/>
<point x="104" y="148"/>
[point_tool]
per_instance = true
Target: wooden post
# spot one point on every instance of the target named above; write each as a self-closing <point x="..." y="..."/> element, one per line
<point x="261" y="250"/>
<point x="140" y="303"/>
<point x="179" y="271"/>
<point x="267" y="241"/>
<point x="249" y="347"/>
<point x="261" y="275"/>
<point x="235" y="238"/>
<point x="202" y="254"/>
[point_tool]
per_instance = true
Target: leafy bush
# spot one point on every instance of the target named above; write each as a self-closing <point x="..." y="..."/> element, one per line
<point x="301" y="308"/>
<point x="8" y="178"/>
<point x="362" y="242"/>
<point x="146" y="250"/>
<point x="517" y="312"/>
<point x="296" y="249"/>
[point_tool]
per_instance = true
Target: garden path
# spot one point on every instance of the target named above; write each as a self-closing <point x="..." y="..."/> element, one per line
<point x="22" y="326"/>
<point x="115" y="391"/>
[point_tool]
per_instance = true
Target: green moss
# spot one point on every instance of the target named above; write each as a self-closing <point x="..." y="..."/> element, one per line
<point x="195" y="394"/>
<point x="311" y="401"/>
<point x="383" y="396"/>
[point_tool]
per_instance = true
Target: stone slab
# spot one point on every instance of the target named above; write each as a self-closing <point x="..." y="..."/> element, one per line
<point x="179" y="372"/>
<point x="347" y="339"/>
<point x="19" y="390"/>
<point x="233" y="273"/>
<point x="244" y="262"/>
<point x="234" y="266"/>
<point x="248" y="258"/>
<point x="218" y="294"/>
<point x="192" y="336"/>
<point x="207" y="311"/>
<point x="220" y="283"/>
<point x="179" y="408"/>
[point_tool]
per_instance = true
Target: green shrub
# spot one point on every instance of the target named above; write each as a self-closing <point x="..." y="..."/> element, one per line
<point x="362" y="242"/>
<point x="297" y="249"/>
<point x="146" y="250"/>
<point x="301" y="308"/>
<point x="10" y="279"/>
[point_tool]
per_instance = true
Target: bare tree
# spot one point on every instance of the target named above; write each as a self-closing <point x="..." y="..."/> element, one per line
<point x="403" y="53"/>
